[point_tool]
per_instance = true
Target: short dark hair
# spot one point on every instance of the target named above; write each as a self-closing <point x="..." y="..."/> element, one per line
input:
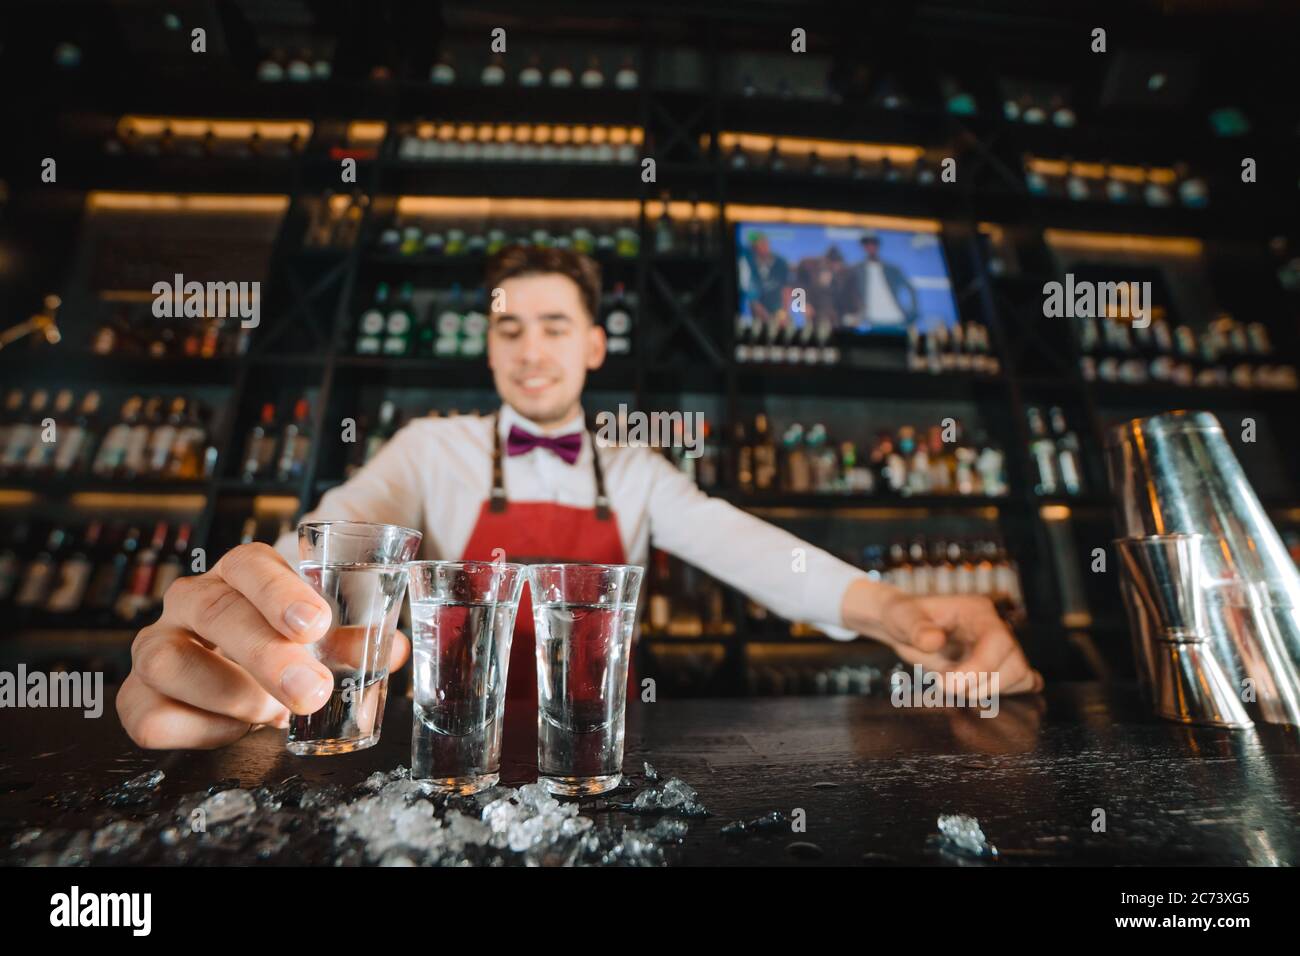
<point x="518" y="260"/>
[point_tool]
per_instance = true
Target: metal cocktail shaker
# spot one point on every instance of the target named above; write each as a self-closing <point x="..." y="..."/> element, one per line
<point x="1175" y="473"/>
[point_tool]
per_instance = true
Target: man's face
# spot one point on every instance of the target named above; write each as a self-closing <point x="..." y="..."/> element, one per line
<point x="762" y="249"/>
<point x="872" y="249"/>
<point x="541" y="344"/>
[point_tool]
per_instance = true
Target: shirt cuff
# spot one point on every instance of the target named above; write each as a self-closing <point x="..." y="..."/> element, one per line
<point x="826" y="590"/>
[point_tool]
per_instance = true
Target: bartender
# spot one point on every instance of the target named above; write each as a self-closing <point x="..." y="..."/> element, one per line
<point x="528" y="483"/>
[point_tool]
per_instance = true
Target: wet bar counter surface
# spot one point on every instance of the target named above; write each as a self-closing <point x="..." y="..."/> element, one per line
<point x="870" y="778"/>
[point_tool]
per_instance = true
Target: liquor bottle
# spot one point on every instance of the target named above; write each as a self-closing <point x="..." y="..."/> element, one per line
<point x="916" y="453"/>
<point x="443" y="72"/>
<point x="943" y="565"/>
<point x="371" y="324"/>
<point x="899" y="572"/>
<point x="922" y="571"/>
<point x="170" y="568"/>
<point x="990" y="466"/>
<point x="77" y="443"/>
<point x="23" y="434"/>
<point x="1043" y="452"/>
<point x="592" y="78"/>
<point x="187" y="458"/>
<point x="38" y="578"/>
<point x="494" y="73"/>
<point x="893" y="466"/>
<point x="618" y="323"/>
<point x="112" y="449"/>
<point x="1068" y="452"/>
<point x="134" y="598"/>
<point x="665" y="238"/>
<point x="796" y="472"/>
<point x="259" y="448"/>
<point x="695" y="230"/>
<point x="764" y="455"/>
<point x="110" y="572"/>
<point x="383" y="431"/>
<point x="706" y="466"/>
<point x="398" y="323"/>
<point x="627" y="77"/>
<point x="11" y="560"/>
<point x="163" y="440"/>
<point x="39" y="461"/>
<point x="561" y="76"/>
<point x="743" y="477"/>
<point x="966" y="477"/>
<point x="135" y="455"/>
<point x="942" y="462"/>
<point x="73" y="576"/>
<point x="295" y="448"/>
<point x="10" y="417"/>
<point x="659" y="607"/>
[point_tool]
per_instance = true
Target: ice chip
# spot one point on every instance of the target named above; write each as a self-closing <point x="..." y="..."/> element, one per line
<point x="227" y="805"/>
<point x="963" y="833"/>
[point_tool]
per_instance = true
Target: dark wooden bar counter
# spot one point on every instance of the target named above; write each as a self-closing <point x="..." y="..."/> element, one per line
<point x="870" y="778"/>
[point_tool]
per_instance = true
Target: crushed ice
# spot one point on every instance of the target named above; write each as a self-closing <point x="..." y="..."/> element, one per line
<point x="964" y="835"/>
<point x="386" y="820"/>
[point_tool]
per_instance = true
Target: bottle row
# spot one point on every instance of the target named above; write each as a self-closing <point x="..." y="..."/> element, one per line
<point x="118" y="570"/>
<point x="1121" y="185"/>
<point x="606" y="239"/>
<point x="965" y="347"/>
<point x="947" y="567"/>
<point x="518" y="143"/>
<point x="197" y="139"/>
<point x="799" y="156"/>
<point x="905" y="461"/>
<point x="1227" y="353"/>
<point x="557" y="72"/>
<point x="334" y="220"/>
<point x="151" y="437"/>
<point x="1056" y="455"/>
<point x="435" y="323"/>
<point x="277" y="447"/>
<point x="138" y="332"/>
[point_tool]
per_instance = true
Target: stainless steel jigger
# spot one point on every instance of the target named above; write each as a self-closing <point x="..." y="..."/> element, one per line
<point x="1179" y="673"/>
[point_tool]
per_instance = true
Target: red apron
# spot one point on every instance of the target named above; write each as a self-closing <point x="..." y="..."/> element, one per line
<point x="540" y="532"/>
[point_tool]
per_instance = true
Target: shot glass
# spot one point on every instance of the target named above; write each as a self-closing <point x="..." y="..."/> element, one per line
<point x="584" y="615"/>
<point x="359" y="569"/>
<point x="462" y="620"/>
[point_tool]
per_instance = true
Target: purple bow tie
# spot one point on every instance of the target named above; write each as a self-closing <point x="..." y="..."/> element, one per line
<point x="520" y="442"/>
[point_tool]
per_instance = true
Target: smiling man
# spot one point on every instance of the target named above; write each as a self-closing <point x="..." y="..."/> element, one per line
<point x="529" y="483"/>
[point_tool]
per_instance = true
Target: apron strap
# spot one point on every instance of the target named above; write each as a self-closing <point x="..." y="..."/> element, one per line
<point x="497" y="499"/>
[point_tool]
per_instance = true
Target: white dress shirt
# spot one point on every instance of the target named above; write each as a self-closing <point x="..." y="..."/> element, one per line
<point x="435" y="473"/>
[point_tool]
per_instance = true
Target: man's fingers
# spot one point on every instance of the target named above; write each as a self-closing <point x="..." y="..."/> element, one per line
<point x="912" y="624"/>
<point x="289" y="604"/>
<point x="170" y="661"/>
<point x="400" y="652"/>
<point x="991" y="645"/>
<point x="156" y="722"/>
<point x="216" y="612"/>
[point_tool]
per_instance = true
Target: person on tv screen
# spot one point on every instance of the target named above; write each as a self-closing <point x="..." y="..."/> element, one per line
<point x="763" y="277"/>
<point x="821" y="276"/>
<point x="876" y="293"/>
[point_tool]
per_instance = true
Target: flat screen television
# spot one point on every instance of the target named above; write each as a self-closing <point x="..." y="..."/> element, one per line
<point x="854" y="279"/>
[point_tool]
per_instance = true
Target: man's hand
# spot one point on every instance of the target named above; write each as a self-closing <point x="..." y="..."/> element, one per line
<point x="957" y="633"/>
<point x="229" y="653"/>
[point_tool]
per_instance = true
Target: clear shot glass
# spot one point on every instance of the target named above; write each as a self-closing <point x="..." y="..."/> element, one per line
<point x="360" y="569"/>
<point x="462" y="622"/>
<point x="584" y="615"/>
